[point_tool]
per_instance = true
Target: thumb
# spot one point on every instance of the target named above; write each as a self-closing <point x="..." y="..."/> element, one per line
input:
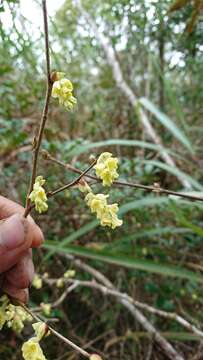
<point x="13" y="241"/>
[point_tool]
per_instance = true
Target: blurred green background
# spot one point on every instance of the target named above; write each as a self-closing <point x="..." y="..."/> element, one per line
<point x="158" y="250"/>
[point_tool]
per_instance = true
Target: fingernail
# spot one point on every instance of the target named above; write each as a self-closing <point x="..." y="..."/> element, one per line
<point x="12" y="232"/>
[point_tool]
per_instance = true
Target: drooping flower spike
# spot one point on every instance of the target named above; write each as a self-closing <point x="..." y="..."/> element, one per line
<point x="106" y="213"/>
<point x="12" y="316"/>
<point x="106" y="168"/>
<point x="38" y="195"/>
<point x="62" y="90"/>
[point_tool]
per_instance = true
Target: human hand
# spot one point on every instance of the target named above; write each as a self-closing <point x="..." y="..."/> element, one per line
<point x="17" y="236"/>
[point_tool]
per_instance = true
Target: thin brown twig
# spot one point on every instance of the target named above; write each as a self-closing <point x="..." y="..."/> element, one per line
<point x="37" y="141"/>
<point x="46" y="35"/>
<point x="155" y="188"/>
<point x="65" y="187"/>
<point x="72" y="183"/>
<point x="63" y="296"/>
<point x="56" y="333"/>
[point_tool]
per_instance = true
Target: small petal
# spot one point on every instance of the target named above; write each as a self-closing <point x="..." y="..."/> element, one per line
<point x="31" y="350"/>
<point x="38" y="195"/>
<point x="106" y="168"/>
<point x="37" y="282"/>
<point x="107" y="214"/>
<point x="62" y="89"/>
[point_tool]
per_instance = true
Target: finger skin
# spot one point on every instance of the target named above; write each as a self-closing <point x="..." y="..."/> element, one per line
<point x="14" y="241"/>
<point x="9" y="208"/>
<point x="21" y="295"/>
<point x="16" y="263"/>
<point x="21" y="275"/>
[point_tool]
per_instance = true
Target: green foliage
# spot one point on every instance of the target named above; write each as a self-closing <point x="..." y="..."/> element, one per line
<point x="167" y="123"/>
<point x="157" y="253"/>
<point x="145" y="265"/>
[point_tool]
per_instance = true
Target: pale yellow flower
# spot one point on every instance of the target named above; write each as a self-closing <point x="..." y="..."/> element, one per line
<point x="37" y="282"/>
<point x="106" y="168"/>
<point x="95" y="357"/>
<point x="31" y="350"/>
<point x="16" y="316"/>
<point x="4" y="300"/>
<point x="38" y="195"/>
<point x="60" y="283"/>
<point x="194" y="296"/>
<point x="97" y="203"/>
<point x="69" y="274"/>
<point x="46" y="308"/>
<point x="110" y="218"/>
<point x="84" y="187"/>
<point x="40" y="329"/>
<point x="45" y="275"/>
<point x="62" y="89"/>
<point x="107" y="214"/>
<point x="11" y="315"/>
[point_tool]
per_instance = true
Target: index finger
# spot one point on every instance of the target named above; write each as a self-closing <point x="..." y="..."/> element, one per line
<point x="9" y="208"/>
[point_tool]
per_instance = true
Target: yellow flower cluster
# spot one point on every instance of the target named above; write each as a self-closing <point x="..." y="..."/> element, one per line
<point x="13" y="316"/>
<point x="31" y="349"/>
<point x="62" y="89"/>
<point x="38" y="195"/>
<point x="106" y="167"/>
<point x="16" y="317"/>
<point x="107" y="214"/>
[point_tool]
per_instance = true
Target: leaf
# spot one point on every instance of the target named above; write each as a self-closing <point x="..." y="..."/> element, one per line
<point x="171" y="94"/>
<point x="75" y="235"/>
<point x="167" y="123"/>
<point x="129" y="262"/>
<point x="183" y="221"/>
<point x="194" y="228"/>
<point x="134" y="263"/>
<point x="81" y="148"/>
<point x="148" y="201"/>
<point x="175" y="171"/>
<point x="151" y="233"/>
